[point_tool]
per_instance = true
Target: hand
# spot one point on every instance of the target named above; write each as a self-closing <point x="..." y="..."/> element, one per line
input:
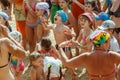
<point x="4" y="31"/>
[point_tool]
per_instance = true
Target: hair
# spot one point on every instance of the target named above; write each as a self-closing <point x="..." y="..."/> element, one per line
<point x="5" y="3"/>
<point x="34" y="56"/>
<point x="8" y="25"/>
<point x="93" y="3"/>
<point x="46" y="43"/>
<point x="68" y="1"/>
<point x="91" y="25"/>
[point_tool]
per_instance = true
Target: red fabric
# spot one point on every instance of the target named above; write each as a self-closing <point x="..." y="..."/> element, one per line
<point x="76" y="10"/>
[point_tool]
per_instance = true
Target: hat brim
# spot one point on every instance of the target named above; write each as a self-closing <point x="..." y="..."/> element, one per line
<point x="97" y="17"/>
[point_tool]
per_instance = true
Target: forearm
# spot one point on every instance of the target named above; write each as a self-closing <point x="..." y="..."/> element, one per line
<point x="115" y="6"/>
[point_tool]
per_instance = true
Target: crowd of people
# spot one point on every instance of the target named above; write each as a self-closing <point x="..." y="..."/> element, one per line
<point x="90" y="27"/>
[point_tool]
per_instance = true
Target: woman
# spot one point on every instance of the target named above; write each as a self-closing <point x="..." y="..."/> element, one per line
<point x="32" y="22"/>
<point x="8" y="45"/>
<point x="100" y="63"/>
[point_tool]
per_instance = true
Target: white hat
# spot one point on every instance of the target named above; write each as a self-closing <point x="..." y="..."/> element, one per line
<point x="108" y="24"/>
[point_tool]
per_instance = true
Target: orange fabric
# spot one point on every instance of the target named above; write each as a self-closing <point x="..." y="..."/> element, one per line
<point x="20" y="26"/>
<point x="76" y="10"/>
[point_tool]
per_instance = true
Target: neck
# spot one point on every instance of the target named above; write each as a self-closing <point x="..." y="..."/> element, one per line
<point x="65" y="9"/>
<point x="59" y="25"/>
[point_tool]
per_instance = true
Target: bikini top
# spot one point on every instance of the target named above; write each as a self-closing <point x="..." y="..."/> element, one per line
<point x="104" y="75"/>
<point x="27" y="7"/>
<point x="9" y="58"/>
<point x="46" y="53"/>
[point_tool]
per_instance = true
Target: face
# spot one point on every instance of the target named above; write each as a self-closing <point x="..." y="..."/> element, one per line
<point x="57" y="19"/>
<point x="63" y="4"/>
<point x="54" y="1"/>
<point x="38" y="62"/>
<point x="88" y="8"/>
<point x="2" y="20"/>
<point x="39" y="12"/>
<point x="83" y="22"/>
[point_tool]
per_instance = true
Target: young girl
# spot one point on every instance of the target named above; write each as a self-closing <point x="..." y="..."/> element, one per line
<point x="42" y="11"/>
<point x="86" y="21"/>
<point x="71" y="23"/>
<point x="36" y="65"/>
<point x="4" y="20"/>
<point x="17" y="63"/>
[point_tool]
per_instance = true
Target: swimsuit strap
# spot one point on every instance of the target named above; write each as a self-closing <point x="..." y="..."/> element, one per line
<point x="4" y="66"/>
<point x="106" y="75"/>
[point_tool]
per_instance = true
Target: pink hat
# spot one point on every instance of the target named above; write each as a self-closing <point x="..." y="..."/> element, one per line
<point x="89" y="16"/>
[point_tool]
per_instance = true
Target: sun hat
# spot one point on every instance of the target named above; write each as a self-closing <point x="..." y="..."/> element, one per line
<point x="102" y="16"/>
<point x="43" y="5"/>
<point x="108" y="24"/>
<point x="4" y="15"/>
<point x="63" y="15"/>
<point x="89" y="16"/>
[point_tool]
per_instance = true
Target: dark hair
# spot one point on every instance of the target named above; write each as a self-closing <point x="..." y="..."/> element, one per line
<point x="93" y="3"/>
<point x="5" y="3"/>
<point x="46" y="43"/>
<point x="68" y="1"/>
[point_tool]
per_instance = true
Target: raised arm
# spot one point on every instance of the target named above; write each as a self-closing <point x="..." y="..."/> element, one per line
<point x="14" y="49"/>
<point x="73" y="62"/>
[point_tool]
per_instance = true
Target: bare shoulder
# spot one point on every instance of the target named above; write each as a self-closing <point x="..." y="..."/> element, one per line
<point x="4" y="40"/>
<point x="113" y="54"/>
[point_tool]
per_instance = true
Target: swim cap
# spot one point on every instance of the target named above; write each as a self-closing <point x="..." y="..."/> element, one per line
<point x="44" y="6"/>
<point x="16" y="35"/>
<point x="4" y="15"/>
<point x="99" y="37"/>
<point x="63" y="15"/>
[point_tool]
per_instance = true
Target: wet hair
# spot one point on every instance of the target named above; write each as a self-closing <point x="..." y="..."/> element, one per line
<point x="34" y="56"/>
<point x="5" y="3"/>
<point x="46" y="43"/>
<point x="68" y="1"/>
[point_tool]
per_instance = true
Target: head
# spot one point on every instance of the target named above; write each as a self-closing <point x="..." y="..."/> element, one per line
<point x="86" y="20"/>
<point x="46" y="44"/>
<point x="36" y="59"/>
<point x="54" y="2"/>
<point x="4" y="18"/>
<point x="41" y="8"/>
<point x="90" y="5"/>
<point x="5" y="3"/>
<point x="64" y="3"/>
<point x="102" y="16"/>
<point x="16" y="35"/>
<point x="99" y="37"/>
<point x="60" y="17"/>
<point x="108" y="26"/>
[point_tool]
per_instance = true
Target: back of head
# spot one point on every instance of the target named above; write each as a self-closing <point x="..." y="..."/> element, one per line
<point x="108" y="24"/>
<point x="46" y="43"/>
<point x="99" y="37"/>
<point x="16" y="35"/>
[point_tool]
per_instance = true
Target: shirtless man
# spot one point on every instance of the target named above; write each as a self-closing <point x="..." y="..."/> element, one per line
<point x="8" y="46"/>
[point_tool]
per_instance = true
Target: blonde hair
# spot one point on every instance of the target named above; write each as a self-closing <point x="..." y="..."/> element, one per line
<point x="34" y="56"/>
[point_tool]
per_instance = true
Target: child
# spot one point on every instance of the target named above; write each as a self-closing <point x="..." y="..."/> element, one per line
<point x="71" y="23"/>
<point x="17" y="63"/>
<point x="86" y="21"/>
<point x="42" y="11"/>
<point x="47" y="49"/>
<point x="52" y="68"/>
<point x="4" y="20"/>
<point x="36" y="65"/>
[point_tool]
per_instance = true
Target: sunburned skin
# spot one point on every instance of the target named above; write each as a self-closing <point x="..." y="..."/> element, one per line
<point x="14" y="46"/>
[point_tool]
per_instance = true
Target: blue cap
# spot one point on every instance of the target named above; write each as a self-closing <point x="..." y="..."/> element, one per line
<point x="4" y="15"/>
<point x="63" y="15"/>
<point x="102" y="16"/>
